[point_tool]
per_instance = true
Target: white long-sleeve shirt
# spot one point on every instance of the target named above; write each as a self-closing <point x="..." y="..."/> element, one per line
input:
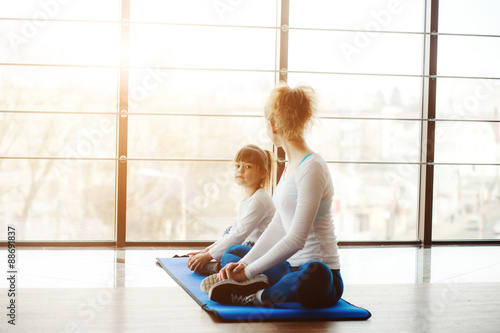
<point x="253" y="217"/>
<point x="302" y="228"/>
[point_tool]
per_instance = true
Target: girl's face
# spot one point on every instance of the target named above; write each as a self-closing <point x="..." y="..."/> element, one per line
<point x="248" y="174"/>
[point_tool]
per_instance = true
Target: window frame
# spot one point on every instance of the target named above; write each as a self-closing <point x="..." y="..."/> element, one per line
<point x="428" y="121"/>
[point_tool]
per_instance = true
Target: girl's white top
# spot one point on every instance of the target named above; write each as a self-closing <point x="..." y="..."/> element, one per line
<point x="254" y="215"/>
<point x="302" y="228"/>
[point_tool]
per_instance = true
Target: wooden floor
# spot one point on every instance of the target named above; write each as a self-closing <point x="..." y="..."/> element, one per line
<point x="154" y="303"/>
<point x="463" y="307"/>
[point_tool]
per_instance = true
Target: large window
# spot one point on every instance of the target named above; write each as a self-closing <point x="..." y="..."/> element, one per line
<point x="119" y="119"/>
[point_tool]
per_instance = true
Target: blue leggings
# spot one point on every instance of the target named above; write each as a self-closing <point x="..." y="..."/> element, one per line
<point x="312" y="284"/>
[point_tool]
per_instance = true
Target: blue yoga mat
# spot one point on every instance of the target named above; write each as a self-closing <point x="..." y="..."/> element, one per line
<point x="190" y="282"/>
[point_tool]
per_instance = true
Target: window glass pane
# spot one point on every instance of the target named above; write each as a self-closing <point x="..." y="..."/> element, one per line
<point x="469" y="16"/>
<point x="349" y="52"/>
<point x="202" y="47"/>
<point x="375" y="202"/>
<point x="60" y="43"/>
<point x="180" y="200"/>
<point x="33" y="88"/>
<point x="364" y="95"/>
<point x="366" y="140"/>
<point x="377" y="15"/>
<point x="194" y="137"/>
<point x="252" y="13"/>
<point x="58" y="200"/>
<point x="39" y="11"/>
<point x="466" y="197"/>
<point x="468" y="99"/>
<point x="70" y="136"/>
<point x="466" y="202"/>
<point x="199" y="92"/>
<point x="466" y="142"/>
<point x="468" y="56"/>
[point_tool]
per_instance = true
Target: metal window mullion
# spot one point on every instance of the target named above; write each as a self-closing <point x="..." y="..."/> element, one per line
<point x="122" y="133"/>
<point x="426" y="225"/>
<point x="283" y="68"/>
<point x="202" y="25"/>
<point x="225" y="160"/>
<point x="214" y="115"/>
<point x="252" y="70"/>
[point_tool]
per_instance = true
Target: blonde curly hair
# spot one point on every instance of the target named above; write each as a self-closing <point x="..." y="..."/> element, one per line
<point x="291" y="110"/>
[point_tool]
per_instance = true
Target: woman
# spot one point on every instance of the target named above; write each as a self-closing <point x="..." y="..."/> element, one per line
<point x="297" y="254"/>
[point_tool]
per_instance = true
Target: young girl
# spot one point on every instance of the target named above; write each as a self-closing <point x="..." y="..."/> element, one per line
<point x="297" y="253"/>
<point x="252" y="171"/>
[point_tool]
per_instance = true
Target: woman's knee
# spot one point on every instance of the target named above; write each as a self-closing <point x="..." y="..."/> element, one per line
<point x="234" y="254"/>
<point x="317" y="272"/>
<point x="322" y="287"/>
<point x="238" y="250"/>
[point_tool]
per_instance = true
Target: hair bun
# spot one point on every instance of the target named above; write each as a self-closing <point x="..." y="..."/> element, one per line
<point x="291" y="109"/>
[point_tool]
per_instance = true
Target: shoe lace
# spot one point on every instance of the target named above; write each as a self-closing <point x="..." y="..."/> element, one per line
<point x="241" y="300"/>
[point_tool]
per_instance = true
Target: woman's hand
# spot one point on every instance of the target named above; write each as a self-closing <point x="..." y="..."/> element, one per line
<point x="197" y="261"/>
<point x="234" y="271"/>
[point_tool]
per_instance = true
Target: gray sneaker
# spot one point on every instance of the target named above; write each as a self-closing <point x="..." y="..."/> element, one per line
<point x="237" y="293"/>
<point x="208" y="282"/>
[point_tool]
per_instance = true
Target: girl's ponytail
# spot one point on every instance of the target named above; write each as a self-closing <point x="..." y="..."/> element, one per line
<point x="267" y="181"/>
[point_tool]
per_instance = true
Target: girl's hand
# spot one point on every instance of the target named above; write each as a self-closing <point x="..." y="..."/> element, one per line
<point x="198" y="261"/>
<point x="196" y="252"/>
<point x="192" y="254"/>
<point x="234" y="271"/>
